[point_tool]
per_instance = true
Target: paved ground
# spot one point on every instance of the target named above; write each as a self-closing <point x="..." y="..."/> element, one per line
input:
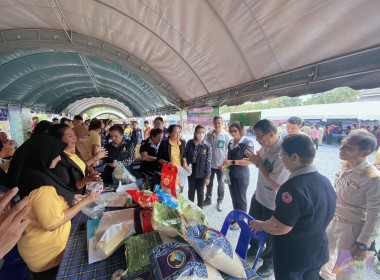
<point x="327" y="162"/>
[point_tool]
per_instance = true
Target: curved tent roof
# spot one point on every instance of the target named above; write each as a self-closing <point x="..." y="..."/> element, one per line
<point x="191" y="53"/>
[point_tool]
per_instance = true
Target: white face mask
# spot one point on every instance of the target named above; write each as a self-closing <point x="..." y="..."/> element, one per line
<point x="201" y="136"/>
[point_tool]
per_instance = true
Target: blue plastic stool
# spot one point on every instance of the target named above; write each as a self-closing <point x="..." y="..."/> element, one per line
<point x="246" y="234"/>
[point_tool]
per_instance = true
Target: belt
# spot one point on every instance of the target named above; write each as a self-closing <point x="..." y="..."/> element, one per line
<point x="337" y="218"/>
<point x="343" y="221"/>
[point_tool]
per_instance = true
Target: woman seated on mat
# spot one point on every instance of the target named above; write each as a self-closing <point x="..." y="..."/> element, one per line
<point x="82" y="133"/>
<point x="149" y="149"/>
<point x="71" y="168"/>
<point x="51" y="205"/>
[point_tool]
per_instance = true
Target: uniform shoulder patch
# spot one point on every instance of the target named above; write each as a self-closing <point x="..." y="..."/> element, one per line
<point x="286" y="197"/>
<point x="371" y="172"/>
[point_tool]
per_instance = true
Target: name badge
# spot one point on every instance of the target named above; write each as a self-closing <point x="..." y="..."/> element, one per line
<point x="221" y="144"/>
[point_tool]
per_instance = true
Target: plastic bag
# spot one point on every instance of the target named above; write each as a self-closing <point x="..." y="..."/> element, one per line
<point x="166" y="199"/>
<point x="94" y="187"/>
<point x="215" y="249"/>
<point x="121" y="174"/>
<point x="94" y="210"/>
<point x="168" y="220"/>
<point x="125" y="188"/>
<point x="145" y="199"/>
<point x="169" y="179"/>
<point x="226" y="175"/>
<point x="137" y="249"/>
<point x="191" y="212"/>
<point x="180" y="261"/>
<point x="359" y="270"/>
<point x="145" y="274"/>
<point x="115" y="217"/>
<point x="182" y="176"/>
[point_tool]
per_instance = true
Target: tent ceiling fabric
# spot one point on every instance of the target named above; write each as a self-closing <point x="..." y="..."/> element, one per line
<point x="79" y="107"/>
<point x="45" y="79"/>
<point x="207" y="52"/>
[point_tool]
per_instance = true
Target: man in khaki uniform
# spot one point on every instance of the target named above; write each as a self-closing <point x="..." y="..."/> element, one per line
<point x="357" y="217"/>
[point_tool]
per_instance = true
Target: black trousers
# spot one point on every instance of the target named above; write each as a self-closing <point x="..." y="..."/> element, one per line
<point x="219" y="175"/>
<point x="260" y="212"/>
<point x="196" y="184"/>
<point x="316" y="143"/>
<point x="49" y="274"/>
<point x="291" y="275"/>
<point x="238" y="190"/>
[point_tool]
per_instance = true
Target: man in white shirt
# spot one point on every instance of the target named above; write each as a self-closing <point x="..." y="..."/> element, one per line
<point x="219" y="139"/>
<point x="272" y="174"/>
<point x="293" y="126"/>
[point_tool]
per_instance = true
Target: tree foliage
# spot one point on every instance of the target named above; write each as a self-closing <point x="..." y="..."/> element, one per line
<point x="337" y="95"/>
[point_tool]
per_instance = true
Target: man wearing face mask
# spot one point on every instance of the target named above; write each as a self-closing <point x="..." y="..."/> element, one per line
<point x="198" y="153"/>
<point x="219" y="139"/>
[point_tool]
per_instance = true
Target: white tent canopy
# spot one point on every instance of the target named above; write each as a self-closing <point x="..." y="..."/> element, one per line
<point x="352" y="110"/>
<point x="209" y="52"/>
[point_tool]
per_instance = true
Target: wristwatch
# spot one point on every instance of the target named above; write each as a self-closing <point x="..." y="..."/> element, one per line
<point x="233" y="162"/>
<point x="361" y="246"/>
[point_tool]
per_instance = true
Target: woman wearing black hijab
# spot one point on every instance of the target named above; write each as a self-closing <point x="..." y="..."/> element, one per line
<point x="50" y="201"/>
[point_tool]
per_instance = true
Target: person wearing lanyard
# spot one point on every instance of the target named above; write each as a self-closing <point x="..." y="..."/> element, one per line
<point x="149" y="149"/>
<point x="239" y="171"/>
<point x="199" y="153"/>
<point x="159" y="123"/>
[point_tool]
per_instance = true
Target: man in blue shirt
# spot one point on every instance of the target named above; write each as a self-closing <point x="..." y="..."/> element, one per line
<point x="159" y="123"/>
<point x="305" y="205"/>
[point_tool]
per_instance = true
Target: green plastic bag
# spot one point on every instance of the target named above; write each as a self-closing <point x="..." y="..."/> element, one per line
<point x="137" y="249"/>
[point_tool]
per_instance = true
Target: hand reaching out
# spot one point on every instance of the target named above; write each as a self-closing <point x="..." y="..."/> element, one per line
<point x="12" y="223"/>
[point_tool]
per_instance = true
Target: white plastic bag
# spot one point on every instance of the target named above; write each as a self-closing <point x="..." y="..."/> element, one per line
<point x="94" y="210"/>
<point x="121" y="174"/>
<point x="182" y="176"/>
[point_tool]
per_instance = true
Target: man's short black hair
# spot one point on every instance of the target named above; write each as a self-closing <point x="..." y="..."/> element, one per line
<point x="34" y="118"/>
<point x="159" y="119"/>
<point x="117" y="127"/>
<point x="95" y="124"/>
<point x="146" y="122"/>
<point x="78" y="117"/>
<point x="55" y="119"/>
<point x="63" y="120"/>
<point x="217" y="118"/>
<point x="265" y="126"/>
<point x="155" y="131"/>
<point x="295" y="120"/>
<point x="301" y="145"/>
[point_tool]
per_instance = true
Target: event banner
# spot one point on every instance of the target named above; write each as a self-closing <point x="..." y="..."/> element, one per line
<point x="203" y="116"/>
<point x="246" y="118"/>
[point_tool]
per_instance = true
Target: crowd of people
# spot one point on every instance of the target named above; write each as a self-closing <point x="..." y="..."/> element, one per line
<point x="306" y="218"/>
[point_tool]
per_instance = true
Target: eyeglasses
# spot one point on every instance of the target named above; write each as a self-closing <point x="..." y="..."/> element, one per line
<point x="259" y="137"/>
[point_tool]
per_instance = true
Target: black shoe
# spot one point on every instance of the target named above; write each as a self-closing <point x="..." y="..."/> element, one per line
<point x="252" y="251"/>
<point x="207" y="202"/>
<point x="219" y="207"/>
<point x="265" y="271"/>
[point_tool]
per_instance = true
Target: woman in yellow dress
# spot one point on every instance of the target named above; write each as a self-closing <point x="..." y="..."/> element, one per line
<point x="51" y="205"/>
